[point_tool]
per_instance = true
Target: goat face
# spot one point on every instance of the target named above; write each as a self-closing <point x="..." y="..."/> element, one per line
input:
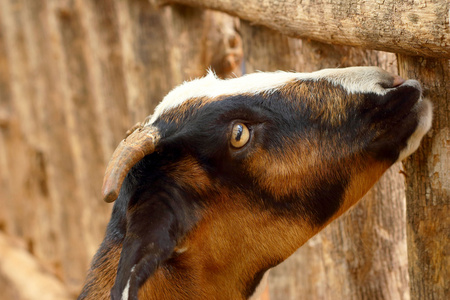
<point x="230" y="177"/>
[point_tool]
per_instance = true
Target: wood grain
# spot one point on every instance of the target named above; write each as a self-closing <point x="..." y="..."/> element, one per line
<point x="418" y="27"/>
<point x="428" y="185"/>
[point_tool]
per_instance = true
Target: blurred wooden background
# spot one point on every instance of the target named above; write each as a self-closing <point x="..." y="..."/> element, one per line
<point x="76" y="74"/>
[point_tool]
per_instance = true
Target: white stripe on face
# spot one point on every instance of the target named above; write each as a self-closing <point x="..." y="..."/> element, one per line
<point x="424" y="110"/>
<point x="353" y="80"/>
<point x="125" y="292"/>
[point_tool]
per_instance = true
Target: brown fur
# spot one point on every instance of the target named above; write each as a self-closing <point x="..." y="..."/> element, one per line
<point x="361" y="181"/>
<point x="279" y="173"/>
<point x="317" y="92"/>
<point x="101" y="279"/>
<point x="212" y="267"/>
<point x="189" y="173"/>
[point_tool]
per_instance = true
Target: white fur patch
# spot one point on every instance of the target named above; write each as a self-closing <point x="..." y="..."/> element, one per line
<point x="353" y="80"/>
<point x="125" y="292"/>
<point x="425" y="112"/>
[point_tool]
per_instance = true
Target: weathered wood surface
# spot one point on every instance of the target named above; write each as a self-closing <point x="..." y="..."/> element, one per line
<point x="428" y="186"/>
<point x="16" y="263"/>
<point x="417" y="27"/>
<point x="362" y="255"/>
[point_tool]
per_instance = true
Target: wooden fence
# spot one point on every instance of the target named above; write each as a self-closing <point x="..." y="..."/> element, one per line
<point x="75" y="74"/>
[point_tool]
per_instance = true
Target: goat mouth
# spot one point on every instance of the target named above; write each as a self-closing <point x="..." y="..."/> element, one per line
<point x="413" y="119"/>
<point x="401" y="104"/>
<point x="415" y="106"/>
<point x="405" y="119"/>
<point x="403" y="98"/>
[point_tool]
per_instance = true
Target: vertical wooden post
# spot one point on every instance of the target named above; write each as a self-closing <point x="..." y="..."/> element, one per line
<point x="428" y="185"/>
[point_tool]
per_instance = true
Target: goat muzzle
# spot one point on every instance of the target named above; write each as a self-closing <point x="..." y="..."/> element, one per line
<point x="131" y="150"/>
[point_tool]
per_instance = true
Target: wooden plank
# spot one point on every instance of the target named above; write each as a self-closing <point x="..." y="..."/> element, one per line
<point x="418" y="27"/>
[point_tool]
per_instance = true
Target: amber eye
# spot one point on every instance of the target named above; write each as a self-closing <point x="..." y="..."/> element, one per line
<point x="239" y="135"/>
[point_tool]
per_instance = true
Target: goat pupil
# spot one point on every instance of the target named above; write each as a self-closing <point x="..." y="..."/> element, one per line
<point x="240" y="129"/>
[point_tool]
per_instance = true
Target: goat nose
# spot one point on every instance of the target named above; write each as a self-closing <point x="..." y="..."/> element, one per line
<point x="397" y="81"/>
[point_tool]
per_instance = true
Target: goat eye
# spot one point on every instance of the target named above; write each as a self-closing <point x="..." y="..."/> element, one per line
<point x="239" y="135"/>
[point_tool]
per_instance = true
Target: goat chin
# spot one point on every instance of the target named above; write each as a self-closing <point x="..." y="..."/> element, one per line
<point x="228" y="178"/>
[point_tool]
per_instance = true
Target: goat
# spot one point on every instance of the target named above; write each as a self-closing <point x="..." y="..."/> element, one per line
<point x="229" y="177"/>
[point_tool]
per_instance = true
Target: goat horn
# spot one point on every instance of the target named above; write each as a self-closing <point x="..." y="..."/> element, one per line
<point x="130" y="151"/>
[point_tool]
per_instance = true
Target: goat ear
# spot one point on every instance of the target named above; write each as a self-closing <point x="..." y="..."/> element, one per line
<point x="154" y="225"/>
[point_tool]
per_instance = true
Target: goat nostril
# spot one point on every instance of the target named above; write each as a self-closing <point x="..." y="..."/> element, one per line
<point x="397" y="81"/>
